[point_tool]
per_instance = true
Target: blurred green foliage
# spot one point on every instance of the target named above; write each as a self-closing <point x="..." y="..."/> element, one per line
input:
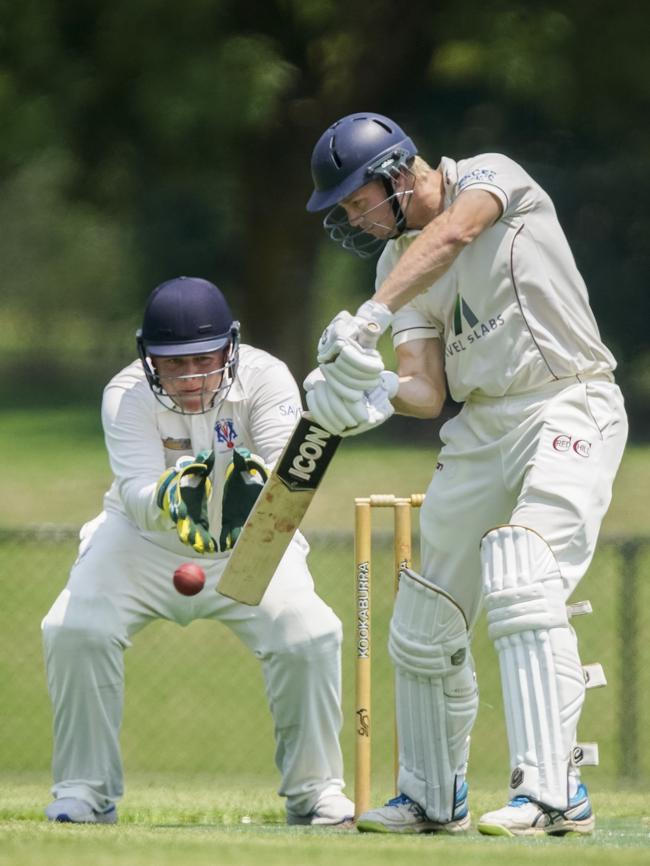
<point x="143" y="140"/>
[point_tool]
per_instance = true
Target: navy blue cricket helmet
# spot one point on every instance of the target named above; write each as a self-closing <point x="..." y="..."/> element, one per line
<point x="187" y="316"/>
<point x="353" y="151"/>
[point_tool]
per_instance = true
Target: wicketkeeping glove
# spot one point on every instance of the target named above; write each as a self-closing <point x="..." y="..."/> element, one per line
<point x="183" y="494"/>
<point x="245" y="478"/>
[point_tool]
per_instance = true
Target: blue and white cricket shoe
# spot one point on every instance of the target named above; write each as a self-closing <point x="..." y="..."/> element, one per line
<point x="403" y="815"/>
<point x="524" y="817"/>
<point x="69" y="810"/>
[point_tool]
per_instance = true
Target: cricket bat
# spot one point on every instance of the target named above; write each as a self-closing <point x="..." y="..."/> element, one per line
<point x="280" y="507"/>
<point x="277" y="513"/>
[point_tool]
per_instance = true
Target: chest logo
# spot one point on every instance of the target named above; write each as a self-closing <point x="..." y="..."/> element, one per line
<point x="225" y="432"/>
<point x="467" y="329"/>
<point x="462" y="311"/>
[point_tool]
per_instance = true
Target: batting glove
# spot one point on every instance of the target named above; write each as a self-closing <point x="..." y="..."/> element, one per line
<point x="376" y="406"/>
<point x="183" y="493"/>
<point x="354" y="371"/>
<point x="344" y="329"/>
<point x="245" y="478"/>
<point x="327" y="408"/>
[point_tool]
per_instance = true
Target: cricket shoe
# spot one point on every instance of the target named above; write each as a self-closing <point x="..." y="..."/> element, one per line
<point x="333" y="810"/>
<point x="69" y="810"/>
<point x="524" y="817"/>
<point x="403" y="815"/>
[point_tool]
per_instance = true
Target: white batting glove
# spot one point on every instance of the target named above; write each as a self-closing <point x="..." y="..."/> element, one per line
<point x="327" y="408"/>
<point x="354" y="371"/>
<point x="376" y="406"/>
<point x="344" y="329"/>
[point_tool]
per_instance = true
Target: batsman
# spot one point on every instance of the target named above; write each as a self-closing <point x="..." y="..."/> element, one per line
<point x="183" y="427"/>
<point x="479" y="285"/>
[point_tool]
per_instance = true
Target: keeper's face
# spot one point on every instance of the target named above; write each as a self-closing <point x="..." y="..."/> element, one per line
<point x="191" y="381"/>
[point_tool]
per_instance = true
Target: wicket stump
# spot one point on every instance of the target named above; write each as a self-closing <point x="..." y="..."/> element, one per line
<point x="402" y="555"/>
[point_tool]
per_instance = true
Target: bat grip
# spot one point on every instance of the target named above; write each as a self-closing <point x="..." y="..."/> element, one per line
<point x="369" y="334"/>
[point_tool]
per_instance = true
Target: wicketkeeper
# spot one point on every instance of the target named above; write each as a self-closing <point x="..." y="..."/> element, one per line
<point x="477" y="280"/>
<point x="182" y="427"/>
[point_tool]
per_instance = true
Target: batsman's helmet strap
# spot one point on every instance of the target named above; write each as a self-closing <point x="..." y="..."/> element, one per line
<point x="353" y="151"/>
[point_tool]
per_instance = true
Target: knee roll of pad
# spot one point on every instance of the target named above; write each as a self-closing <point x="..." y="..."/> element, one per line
<point x="428" y="631"/>
<point x="522" y="582"/>
<point x="436" y="693"/>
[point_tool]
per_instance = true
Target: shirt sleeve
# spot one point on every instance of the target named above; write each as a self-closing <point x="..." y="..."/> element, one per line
<point x="273" y="411"/>
<point x="411" y="323"/>
<point x="501" y="176"/>
<point x="135" y="454"/>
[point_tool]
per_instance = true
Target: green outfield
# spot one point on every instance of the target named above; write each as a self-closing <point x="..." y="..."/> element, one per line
<point x="197" y="738"/>
<point x="56" y="472"/>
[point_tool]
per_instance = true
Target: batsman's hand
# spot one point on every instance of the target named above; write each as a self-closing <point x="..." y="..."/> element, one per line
<point x="245" y="478"/>
<point x="333" y="412"/>
<point x="350" y="417"/>
<point x="376" y="406"/>
<point x="353" y="371"/>
<point x="183" y="493"/>
<point x="345" y="329"/>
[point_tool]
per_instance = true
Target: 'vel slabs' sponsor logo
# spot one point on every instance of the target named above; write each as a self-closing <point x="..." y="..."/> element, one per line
<point x="468" y="329"/>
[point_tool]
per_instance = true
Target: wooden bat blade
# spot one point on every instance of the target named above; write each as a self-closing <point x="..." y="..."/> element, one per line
<point x="278" y="512"/>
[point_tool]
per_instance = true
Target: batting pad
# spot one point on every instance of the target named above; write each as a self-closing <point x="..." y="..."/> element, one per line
<point x="436" y="693"/>
<point x="541" y="676"/>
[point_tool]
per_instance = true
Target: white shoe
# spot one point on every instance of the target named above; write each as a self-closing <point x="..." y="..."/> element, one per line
<point x="403" y="815"/>
<point x="334" y="810"/>
<point x="69" y="810"/>
<point x="524" y="817"/>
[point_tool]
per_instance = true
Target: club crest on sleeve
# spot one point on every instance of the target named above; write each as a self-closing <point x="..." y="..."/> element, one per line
<point x="225" y="432"/>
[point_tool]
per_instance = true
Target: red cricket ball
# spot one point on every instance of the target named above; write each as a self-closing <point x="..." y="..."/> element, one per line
<point x="189" y="578"/>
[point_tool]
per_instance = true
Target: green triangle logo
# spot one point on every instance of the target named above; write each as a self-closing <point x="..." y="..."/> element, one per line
<point x="462" y="310"/>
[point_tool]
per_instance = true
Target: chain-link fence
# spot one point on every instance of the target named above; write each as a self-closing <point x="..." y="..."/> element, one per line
<point x="195" y="700"/>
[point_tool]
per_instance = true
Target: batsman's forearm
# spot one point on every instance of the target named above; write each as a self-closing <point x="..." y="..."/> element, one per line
<point x="428" y="258"/>
<point x="418" y="398"/>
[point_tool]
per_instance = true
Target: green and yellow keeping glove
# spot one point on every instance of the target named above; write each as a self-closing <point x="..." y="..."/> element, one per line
<point x="183" y="494"/>
<point x="245" y="478"/>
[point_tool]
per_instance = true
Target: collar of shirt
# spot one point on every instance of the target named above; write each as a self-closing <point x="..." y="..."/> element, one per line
<point x="449" y="171"/>
<point x="236" y="392"/>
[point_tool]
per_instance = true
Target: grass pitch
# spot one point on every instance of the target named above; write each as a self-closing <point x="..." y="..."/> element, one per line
<point x="169" y="821"/>
<point x="58" y="472"/>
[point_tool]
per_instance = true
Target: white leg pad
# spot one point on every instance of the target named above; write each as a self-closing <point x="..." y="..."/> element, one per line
<point x="542" y="679"/>
<point x="436" y="693"/>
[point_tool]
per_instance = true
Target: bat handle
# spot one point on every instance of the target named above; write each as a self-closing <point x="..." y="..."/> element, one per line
<point x="369" y="335"/>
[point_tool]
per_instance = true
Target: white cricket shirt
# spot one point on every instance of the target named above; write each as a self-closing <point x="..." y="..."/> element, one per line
<point x="143" y="438"/>
<point x="513" y="310"/>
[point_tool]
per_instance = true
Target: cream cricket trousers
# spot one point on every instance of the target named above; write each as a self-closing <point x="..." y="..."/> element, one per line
<point x="545" y="460"/>
<point x="118" y="585"/>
